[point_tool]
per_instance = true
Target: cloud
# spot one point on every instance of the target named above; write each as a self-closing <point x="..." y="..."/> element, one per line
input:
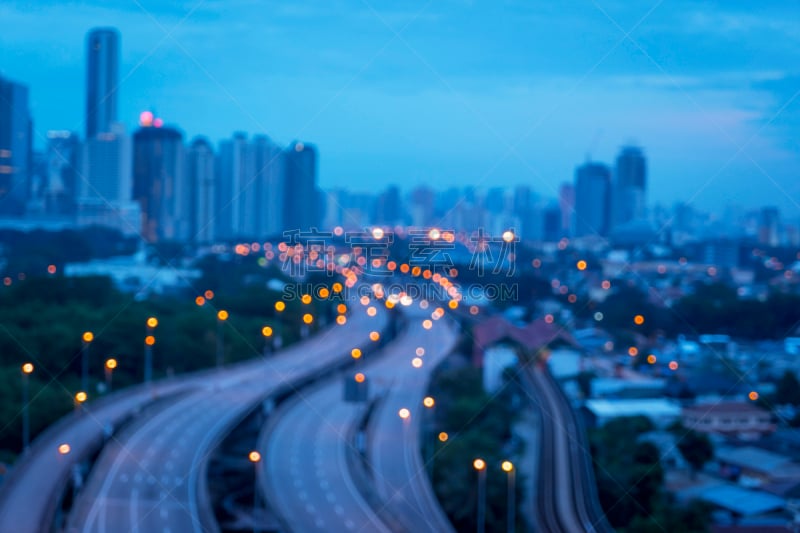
<point x="333" y="72"/>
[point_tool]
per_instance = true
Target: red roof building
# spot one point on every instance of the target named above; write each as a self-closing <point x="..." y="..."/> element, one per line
<point x="532" y="339"/>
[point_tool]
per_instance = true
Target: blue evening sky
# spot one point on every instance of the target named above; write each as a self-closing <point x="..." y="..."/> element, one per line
<point x="448" y="92"/>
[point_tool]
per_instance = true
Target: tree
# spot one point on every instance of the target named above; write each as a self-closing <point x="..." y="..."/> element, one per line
<point x="693" y="518"/>
<point x="584" y="381"/>
<point x="696" y="448"/>
<point x="788" y="389"/>
<point x="647" y="475"/>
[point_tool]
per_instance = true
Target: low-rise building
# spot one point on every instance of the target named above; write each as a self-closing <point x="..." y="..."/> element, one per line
<point x="752" y="466"/>
<point x="735" y="419"/>
<point x="660" y="411"/>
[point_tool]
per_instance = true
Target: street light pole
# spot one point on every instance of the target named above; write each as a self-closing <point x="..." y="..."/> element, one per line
<point x="222" y="316"/>
<point x="508" y="467"/>
<point x="427" y="432"/>
<point x="27" y="369"/>
<point x="480" y="466"/>
<point x="110" y="365"/>
<point x="87" y="339"/>
<point x="80" y="397"/>
<point x="149" y="341"/>
<point x="266" y="332"/>
<point x="255" y="458"/>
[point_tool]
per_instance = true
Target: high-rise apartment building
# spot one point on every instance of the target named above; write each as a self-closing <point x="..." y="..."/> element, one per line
<point x="302" y="209"/>
<point x="16" y="156"/>
<point x="201" y="184"/>
<point x="566" y="202"/>
<point x="630" y="182"/>
<point x="592" y="199"/>
<point x="63" y="180"/>
<point x="268" y="187"/>
<point x="159" y="185"/>
<point x="102" y="78"/>
<point x="389" y="207"/>
<point x="236" y="175"/>
<point x="107" y="167"/>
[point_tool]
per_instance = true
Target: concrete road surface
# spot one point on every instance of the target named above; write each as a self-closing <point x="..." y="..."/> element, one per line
<point x="305" y="473"/>
<point x="152" y="478"/>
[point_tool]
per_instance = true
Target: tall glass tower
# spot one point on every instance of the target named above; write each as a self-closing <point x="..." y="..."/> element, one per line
<point x="629" y="186"/>
<point x="592" y="199"/>
<point x="102" y="77"/>
<point x="15" y="147"/>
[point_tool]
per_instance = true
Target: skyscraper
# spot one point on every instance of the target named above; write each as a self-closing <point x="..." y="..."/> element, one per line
<point x="495" y="201"/>
<point x="102" y="77"/>
<point x="552" y="229"/>
<point x="566" y="202"/>
<point x="107" y="167"/>
<point x="159" y="186"/>
<point x="592" y="199"/>
<point x="268" y="186"/>
<point x="630" y="180"/>
<point x="63" y="161"/>
<point x="301" y="200"/>
<point x="769" y="226"/>
<point x="522" y="208"/>
<point x="236" y="175"/>
<point x="201" y="182"/>
<point x="388" y="207"/>
<point x="422" y="206"/>
<point x="15" y="147"/>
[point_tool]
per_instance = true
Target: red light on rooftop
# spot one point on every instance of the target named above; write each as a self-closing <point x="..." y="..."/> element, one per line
<point x="146" y="119"/>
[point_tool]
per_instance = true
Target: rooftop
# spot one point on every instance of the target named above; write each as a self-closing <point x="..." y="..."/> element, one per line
<point x="650" y="407"/>
<point x="707" y="409"/>
<point x="534" y="336"/>
<point x="741" y="501"/>
<point x="759" y="460"/>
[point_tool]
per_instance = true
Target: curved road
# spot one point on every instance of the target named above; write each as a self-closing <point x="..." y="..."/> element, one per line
<point x="30" y="495"/>
<point x="566" y="500"/>
<point x="153" y="477"/>
<point x="305" y="475"/>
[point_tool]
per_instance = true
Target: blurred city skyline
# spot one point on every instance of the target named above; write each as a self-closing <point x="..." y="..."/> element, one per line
<point x="449" y="94"/>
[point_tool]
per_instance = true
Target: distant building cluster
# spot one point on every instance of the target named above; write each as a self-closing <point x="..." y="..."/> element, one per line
<point x="156" y="183"/>
<point x="151" y="183"/>
<point x="602" y="205"/>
